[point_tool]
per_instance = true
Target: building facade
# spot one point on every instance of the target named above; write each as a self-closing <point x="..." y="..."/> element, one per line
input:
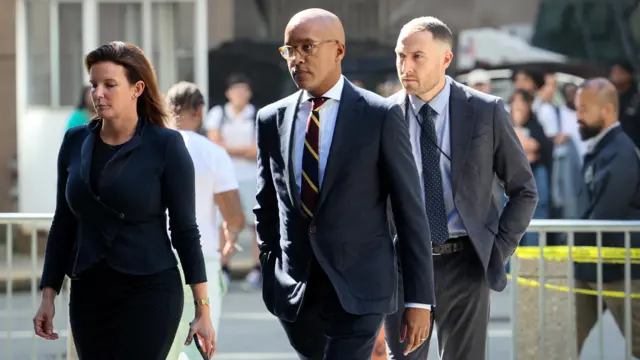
<point x="43" y="43"/>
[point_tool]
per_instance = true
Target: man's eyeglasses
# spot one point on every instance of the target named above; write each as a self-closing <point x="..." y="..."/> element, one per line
<point x="304" y="50"/>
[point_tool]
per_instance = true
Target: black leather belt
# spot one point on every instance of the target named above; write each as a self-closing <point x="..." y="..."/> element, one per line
<point x="451" y="246"/>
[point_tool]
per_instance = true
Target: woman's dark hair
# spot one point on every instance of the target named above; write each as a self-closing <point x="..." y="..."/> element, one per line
<point x="151" y="105"/>
<point x="535" y="75"/>
<point x="526" y="96"/>
<point x="82" y="104"/>
<point x="184" y="95"/>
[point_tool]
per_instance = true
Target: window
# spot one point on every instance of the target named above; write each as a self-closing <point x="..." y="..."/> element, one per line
<point x="54" y="49"/>
<point x="56" y="42"/>
<point x="38" y="53"/>
<point x="71" y="56"/>
<point x="121" y="22"/>
<point x="173" y="54"/>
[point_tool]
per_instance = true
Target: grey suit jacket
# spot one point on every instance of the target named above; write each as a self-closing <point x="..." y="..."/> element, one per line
<point x="484" y="146"/>
<point x="369" y="161"/>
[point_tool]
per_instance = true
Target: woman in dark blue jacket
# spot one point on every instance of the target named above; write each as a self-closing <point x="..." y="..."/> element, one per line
<point x="117" y="177"/>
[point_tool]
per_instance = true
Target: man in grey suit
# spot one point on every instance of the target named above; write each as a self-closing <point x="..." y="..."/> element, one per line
<point x="461" y="140"/>
<point x="329" y="156"/>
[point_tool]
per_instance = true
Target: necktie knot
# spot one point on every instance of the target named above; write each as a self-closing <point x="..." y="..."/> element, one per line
<point x="317" y="102"/>
<point x="427" y="112"/>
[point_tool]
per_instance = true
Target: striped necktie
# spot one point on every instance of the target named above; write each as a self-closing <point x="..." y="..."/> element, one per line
<point x="310" y="159"/>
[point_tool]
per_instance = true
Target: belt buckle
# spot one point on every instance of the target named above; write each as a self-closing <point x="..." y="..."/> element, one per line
<point x="438" y="249"/>
<point x="445" y="249"/>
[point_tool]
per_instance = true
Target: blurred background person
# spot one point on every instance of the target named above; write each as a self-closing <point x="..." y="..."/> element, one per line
<point x="216" y="189"/>
<point x="84" y="111"/>
<point x="621" y="75"/>
<point x="232" y="126"/>
<point x="568" y="152"/>
<point x="542" y="87"/>
<point x="611" y="191"/>
<point x="480" y="80"/>
<point x="538" y="148"/>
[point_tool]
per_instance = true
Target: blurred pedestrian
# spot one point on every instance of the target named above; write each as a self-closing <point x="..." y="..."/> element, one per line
<point x="611" y="192"/>
<point x="117" y="177"/>
<point x="84" y="111"/>
<point x="232" y="126"/>
<point x="539" y="151"/>
<point x="216" y="189"/>
<point x="329" y="157"/>
<point x="462" y="140"/>
<point x="480" y="80"/>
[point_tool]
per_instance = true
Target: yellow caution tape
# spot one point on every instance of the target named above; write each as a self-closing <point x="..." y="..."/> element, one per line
<point x="606" y="293"/>
<point x="588" y="254"/>
<point x="581" y="254"/>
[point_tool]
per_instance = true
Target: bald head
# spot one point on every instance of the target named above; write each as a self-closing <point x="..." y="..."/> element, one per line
<point x="314" y="49"/>
<point x="604" y="90"/>
<point x="597" y="106"/>
<point x="324" y="23"/>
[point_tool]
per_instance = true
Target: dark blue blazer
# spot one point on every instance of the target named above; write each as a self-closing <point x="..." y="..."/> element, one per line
<point x="126" y="226"/>
<point x="369" y="162"/>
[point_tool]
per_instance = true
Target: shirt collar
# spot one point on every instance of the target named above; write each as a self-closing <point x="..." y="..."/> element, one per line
<point x="334" y="93"/>
<point x="438" y="103"/>
<point x="596" y="140"/>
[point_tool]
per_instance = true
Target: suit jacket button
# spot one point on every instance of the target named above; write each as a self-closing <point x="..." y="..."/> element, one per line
<point x="312" y="229"/>
<point x="121" y="216"/>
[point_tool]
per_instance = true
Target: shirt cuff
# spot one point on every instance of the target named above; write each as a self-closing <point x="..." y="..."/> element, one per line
<point x="419" y="306"/>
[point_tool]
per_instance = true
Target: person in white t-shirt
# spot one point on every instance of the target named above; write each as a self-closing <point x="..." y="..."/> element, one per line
<point x="232" y="126"/>
<point x="216" y="189"/>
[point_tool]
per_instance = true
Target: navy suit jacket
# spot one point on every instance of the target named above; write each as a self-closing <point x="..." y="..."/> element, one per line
<point x="369" y="162"/>
<point x="126" y="225"/>
<point x="611" y="191"/>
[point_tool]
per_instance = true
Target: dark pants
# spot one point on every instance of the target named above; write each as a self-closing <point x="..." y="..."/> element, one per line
<point x="118" y="316"/>
<point x="324" y="330"/>
<point x="461" y="312"/>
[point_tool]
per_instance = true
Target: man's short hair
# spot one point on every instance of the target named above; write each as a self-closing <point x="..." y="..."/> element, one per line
<point x="605" y="90"/>
<point x="235" y="79"/>
<point x="435" y="26"/>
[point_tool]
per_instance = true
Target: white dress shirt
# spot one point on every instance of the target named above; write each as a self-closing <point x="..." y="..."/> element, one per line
<point x="328" y="117"/>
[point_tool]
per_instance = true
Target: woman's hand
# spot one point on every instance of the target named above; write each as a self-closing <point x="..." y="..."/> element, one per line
<point x="43" y="321"/>
<point x="203" y="326"/>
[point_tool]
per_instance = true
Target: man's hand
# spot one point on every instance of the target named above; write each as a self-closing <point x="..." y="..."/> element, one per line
<point x="231" y="238"/>
<point x="415" y="328"/>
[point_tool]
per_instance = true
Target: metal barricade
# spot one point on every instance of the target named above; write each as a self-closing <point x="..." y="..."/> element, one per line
<point x="16" y="327"/>
<point x="17" y="310"/>
<point x="570" y="228"/>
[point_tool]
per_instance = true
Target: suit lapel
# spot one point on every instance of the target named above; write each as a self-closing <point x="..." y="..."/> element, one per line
<point x="86" y="152"/>
<point x="286" y="128"/>
<point x="348" y="122"/>
<point x="462" y="127"/>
